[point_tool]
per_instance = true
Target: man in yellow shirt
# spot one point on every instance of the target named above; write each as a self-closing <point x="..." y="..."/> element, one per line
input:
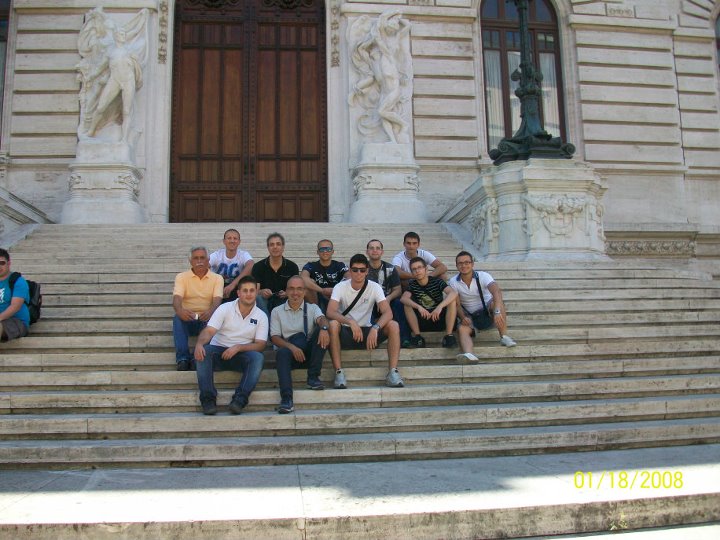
<point x="196" y="295"/>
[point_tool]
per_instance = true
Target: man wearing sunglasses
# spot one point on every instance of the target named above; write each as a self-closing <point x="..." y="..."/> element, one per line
<point x="351" y="327"/>
<point x="322" y="275"/>
<point x="14" y="313"/>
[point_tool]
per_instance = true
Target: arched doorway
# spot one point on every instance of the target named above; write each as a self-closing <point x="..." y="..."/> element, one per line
<point x="249" y="135"/>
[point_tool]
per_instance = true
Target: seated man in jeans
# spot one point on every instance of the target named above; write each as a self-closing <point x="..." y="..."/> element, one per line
<point x="300" y="332"/>
<point x="233" y="339"/>
<point x="196" y="295"/>
<point x="429" y="305"/>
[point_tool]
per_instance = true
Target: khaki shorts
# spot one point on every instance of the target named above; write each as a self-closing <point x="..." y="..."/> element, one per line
<point x="13" y="329"/>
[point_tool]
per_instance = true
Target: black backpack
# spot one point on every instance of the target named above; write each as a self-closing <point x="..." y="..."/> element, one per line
<point x="35" y="302"/>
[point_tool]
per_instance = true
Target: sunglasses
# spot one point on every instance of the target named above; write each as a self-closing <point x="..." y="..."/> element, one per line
<point x="324" y="249"/>
<point x="356" y="269"/>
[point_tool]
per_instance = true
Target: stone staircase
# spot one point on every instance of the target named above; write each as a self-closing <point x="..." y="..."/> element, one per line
<point x="609" y="356"/>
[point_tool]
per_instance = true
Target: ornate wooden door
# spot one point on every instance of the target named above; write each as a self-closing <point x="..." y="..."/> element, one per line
<point x="249" y="114"/>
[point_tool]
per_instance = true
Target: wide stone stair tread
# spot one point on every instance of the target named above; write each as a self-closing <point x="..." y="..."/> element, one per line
<point x="121" y="378"/>
<point x="355" y="420"/>
<point x="358" y="446"/>
<point x="52" y="402"/>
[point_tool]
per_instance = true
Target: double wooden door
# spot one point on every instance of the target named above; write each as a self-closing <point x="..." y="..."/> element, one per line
<point x="249" y="136"/>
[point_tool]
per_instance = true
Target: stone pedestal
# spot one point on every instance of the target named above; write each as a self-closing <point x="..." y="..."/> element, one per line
<point x="535" y="209"/>
<point x="386" y="185"/>
<point x="104" y="185"/>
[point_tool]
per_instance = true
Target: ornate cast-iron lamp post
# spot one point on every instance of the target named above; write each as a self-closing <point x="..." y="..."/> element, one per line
<point x="531" y="139"/>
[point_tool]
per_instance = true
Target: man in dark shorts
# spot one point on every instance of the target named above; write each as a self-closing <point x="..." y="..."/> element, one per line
<point x="350" y="312"/>
<point x="322" y="275"/>
<point x="14" y="313"/>
<point x="429" y="305"/>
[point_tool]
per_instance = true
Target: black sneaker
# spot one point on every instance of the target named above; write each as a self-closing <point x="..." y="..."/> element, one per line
<point x="449" y="341"/>
<point x="417" y="341"/>
<point x="183" y="365"/>
<point x="406" y="344"/>
<point x="313" y="383"/>
<point x="236" y="407"/>
<point x="209" y="408"/>
<point x="286" y="406"/>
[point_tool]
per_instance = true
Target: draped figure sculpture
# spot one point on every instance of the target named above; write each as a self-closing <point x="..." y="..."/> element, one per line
<point x="382" y="61"/>
<point x="110" y="72"/>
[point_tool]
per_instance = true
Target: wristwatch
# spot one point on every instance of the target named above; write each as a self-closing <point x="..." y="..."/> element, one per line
<point x="324" y="327"/>
<point x="376" y="327"/>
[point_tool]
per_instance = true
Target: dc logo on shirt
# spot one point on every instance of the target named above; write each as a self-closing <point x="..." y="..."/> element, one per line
<point x="231" y="271"/>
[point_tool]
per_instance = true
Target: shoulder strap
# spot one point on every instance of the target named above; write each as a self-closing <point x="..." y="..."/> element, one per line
<point x="482" y="296"/>
<point x="14" y="276"/>
<point x="352" y="304"/>
<point x="305" y="324"/>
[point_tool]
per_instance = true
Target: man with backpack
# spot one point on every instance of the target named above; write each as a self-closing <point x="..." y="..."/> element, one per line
<point x="14" y="299"/>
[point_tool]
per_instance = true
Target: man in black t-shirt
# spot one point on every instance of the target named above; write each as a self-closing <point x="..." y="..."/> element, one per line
<point x="272" y="274"/>
<point x="429" y="305"/>
<point x="322" y="275"/>
<point x="386" y="274"/>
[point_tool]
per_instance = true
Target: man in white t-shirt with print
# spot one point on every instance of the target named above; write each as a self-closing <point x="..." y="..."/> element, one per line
<point x="233" y="339"/>
<point x="231" y="263"/>
<point x="470" y="305"/>
<point x="350" y="312"/>
<point x="411" y="243"/>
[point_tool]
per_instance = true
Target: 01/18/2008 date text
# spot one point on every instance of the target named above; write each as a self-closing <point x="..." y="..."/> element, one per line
<point x="628" y="480"/>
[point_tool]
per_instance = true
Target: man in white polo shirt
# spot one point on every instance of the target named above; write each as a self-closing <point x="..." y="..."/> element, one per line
<point x="233" y="339"/>
<point x="476" y="311"/>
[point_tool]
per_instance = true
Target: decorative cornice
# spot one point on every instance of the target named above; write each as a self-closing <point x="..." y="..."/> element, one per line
<point x="651" y="248"/>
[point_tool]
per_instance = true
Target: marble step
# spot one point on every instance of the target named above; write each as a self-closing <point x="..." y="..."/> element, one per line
<point x="516" y="308"/>
<point x="235" y="451"/>
<point x="640" y="351"/>
<point x="154" y="286"/>
<point x="527" y="336"/>
<point x="160" y="325"/>
<point x="268" y="423"/>
<point x="125" y="378"/>
<point x="357" y="394"/>
<point x="493" y="497"/>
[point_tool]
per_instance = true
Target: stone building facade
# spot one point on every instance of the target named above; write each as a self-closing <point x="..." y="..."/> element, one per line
<point x="639" y="84"/>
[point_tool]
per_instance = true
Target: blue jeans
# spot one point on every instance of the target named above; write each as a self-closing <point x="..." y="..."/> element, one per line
<point x="268" y="304"/>
<point x="181" y="331"/>
<point x="249" y="363"/>
<point x="285" y="361"/>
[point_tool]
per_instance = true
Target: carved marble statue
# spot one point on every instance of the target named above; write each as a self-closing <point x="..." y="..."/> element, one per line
<point x="110" y="72"/>
<point x="383" y="66"/>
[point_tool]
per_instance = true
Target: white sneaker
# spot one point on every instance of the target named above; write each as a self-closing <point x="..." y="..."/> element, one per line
<point x="340" y="381"/>
<point x="393" y="379"/>
<point x="507" y="341"/>
<point x="467" y="356"/>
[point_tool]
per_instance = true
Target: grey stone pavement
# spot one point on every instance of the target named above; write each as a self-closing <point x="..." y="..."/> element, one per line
<point x="356" y="489"/>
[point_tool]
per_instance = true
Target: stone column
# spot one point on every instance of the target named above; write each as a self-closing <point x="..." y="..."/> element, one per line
<point x="104" y="178"/>
<point x="385" y="174"/>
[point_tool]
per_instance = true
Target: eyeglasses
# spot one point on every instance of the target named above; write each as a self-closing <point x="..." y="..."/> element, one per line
<point x="359" y="270"/>
<point x="463" y="263"/>
<point x="324" y="249"/>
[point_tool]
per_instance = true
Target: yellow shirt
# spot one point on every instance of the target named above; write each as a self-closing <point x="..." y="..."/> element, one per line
<point x="196" y="293"/>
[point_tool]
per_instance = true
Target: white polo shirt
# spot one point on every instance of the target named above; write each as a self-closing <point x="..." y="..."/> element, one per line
<point x="469" y="296"/>
<point x="403" y="261"/>
<point x="233" y="329"/>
